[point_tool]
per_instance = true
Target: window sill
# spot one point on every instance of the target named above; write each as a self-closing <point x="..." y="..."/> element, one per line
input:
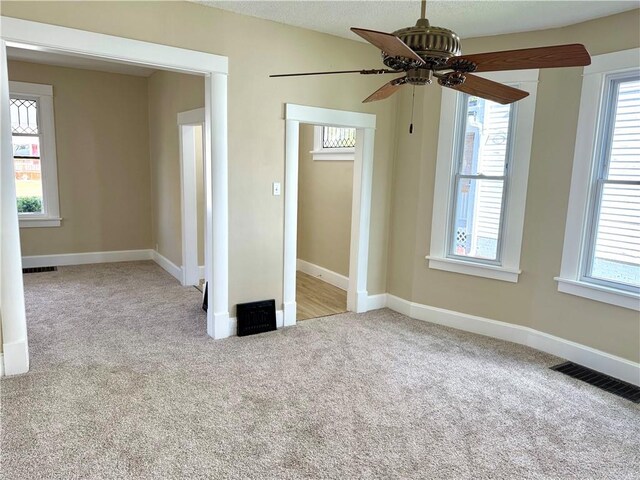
<point x="599" y="293"/>
<point x="475" y="269"/>
<point x="340" y="154"/>
<point x="39" y="222"/>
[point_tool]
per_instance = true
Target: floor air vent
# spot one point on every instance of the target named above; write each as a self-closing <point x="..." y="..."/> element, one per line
<point x="256" y="317"/>
<point x="39" y="269"/>
<point x="600" y="380"/>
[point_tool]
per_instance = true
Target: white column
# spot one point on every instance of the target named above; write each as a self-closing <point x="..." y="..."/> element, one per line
<point x="14" y="322"/>
<point x="217" y="206"/>
<point x="189" y="205"/>
<point x="292" y="133"/>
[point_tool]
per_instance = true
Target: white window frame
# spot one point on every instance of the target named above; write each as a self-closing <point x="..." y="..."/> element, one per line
<point x="580" y="210"/>
<point x="507" y="268"/>
<point x="319" y="152"/>
<point x="43" y="94"/>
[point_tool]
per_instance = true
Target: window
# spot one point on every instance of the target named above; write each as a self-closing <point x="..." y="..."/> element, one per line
<point x="34" y="154"/>
<point x="334" y="143"/>
<point x="601" y="255"/>
<point x="481" y="181"/>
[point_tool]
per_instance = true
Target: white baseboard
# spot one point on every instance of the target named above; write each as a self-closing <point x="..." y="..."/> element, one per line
<point x="1" y="364"/>
<point x="201" y="272"/>
<point x="174" y="270"/>
<point x="323" y="274"/>
<point x="598" y="360"/>
<point x="376" y="302"/>
<point x="85" y="258"/>
<point x="15" y="358"/>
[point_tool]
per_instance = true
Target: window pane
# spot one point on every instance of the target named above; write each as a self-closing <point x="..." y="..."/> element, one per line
<point x="624" y="161"/>
<point x="28" y="174"/>
<point x="24" y="116"/>
<point x="338" y="137"/>
<point x="617" y="244"/>
<point x="486" y="137"/>
<point x="477" y="218"/>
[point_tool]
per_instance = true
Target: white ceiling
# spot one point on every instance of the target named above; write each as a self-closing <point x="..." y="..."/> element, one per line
<point x="86" y="63"/>
<point x="475" y="18"/>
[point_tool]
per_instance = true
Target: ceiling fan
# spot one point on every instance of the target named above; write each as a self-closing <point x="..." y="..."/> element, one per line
<point x="424" y="52"/>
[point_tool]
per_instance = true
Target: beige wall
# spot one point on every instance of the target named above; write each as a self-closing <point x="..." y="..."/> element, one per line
<point x="325" y="192"/>
<point x="103" y="161"/>
<point x="534" y="301"/>
<point x="256" y="126"/>
<point x="169" y="94"/>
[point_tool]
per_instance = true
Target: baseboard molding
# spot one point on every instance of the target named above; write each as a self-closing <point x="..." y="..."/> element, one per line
<point x="323" y="274"/>
<point x="15" y="358"/>
<point x="173" y="270"/>
<point x="1" y="364"/>
<point x="617" y="367"/>
<point x="85" y="258"/>
<point x="201" y="272"/>
<point x="376" y="302"/>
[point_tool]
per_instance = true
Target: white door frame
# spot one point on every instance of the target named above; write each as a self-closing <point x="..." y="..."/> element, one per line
<point x="44" y="37"/>
<point x="365" y="124"/>
<point x="187" y="124"/>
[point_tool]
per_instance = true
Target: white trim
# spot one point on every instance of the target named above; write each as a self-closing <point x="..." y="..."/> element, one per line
<point x="37" y="222"/>
<point x="598" y="360"/>
<point x="587" y="135"/>
<point x="361" y="204"/>
<point x="509" y="269"/>
<point x="171" y="268"/>
<point x="201" y="271"/>
<point x="599" y="293"/>
<point x="476" y="269"/>
<point x="26" y="88"/>
<point x="191" y="117"/>
<point x="86" y="258"/>
<point x="323" y="274"/>
<point x="44" y="37"/>
<point x="15" y="357"/>
<point x="376" y="302"/>
<point x="1" y="364"/>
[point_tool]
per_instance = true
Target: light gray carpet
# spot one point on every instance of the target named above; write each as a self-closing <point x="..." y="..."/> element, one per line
<point x="126" y="384"/>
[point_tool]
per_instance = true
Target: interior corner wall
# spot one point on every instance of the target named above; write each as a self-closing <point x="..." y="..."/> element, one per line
<point x="325" y="193"/>
<point x="169" y="93"/>
<point x="534" y="301"/>
<point x="103" y="161"/>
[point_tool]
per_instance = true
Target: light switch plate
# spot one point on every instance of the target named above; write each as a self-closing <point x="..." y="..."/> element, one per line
<point x="276" y="188"/>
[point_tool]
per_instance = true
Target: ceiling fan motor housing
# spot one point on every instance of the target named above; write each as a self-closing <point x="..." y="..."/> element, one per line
<point x="433" y="44"/>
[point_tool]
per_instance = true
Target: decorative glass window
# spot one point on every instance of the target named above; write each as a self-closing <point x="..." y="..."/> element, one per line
<point x="334" y="143"/>
<point x="34" y="154"/>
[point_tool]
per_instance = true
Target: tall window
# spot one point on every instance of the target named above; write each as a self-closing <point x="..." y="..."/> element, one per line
<point x="601" y="254"/>
<point x="34" y="155"/>
<point x="333" y="143"/>
<point x="481" y="181"/>
<point x="613" y="248"/>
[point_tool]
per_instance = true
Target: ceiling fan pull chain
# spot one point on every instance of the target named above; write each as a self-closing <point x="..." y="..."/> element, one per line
<point x="413" y="98"/>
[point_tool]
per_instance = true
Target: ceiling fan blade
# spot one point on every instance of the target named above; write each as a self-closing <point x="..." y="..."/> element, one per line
<point x="490" y="90"/>
<point x="572" y="55"/>
<point x="386" y="90"/>
<point x="361" y="72"/>
<point x="388" y="43"/>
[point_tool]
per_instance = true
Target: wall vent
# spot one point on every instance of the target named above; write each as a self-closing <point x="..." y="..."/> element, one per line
<point x="39" y="269"/>
<point x="600" y="380"/>
<point x="256" y="317"/>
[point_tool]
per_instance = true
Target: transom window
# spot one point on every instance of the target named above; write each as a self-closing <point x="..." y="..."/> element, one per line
<point x="338" y="137"/>
<point x="34" y="154"/>
<point x="613" y="236"/>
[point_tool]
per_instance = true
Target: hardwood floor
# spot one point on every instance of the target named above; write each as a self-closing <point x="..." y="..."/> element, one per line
<point x="316" y="298"/>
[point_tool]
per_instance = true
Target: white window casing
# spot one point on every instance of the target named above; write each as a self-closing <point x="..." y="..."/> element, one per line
<point x="319" y="151"/>
<point x="586" y="164"/>
<point x="50" y="217"/>
<point x="507" y="265"/>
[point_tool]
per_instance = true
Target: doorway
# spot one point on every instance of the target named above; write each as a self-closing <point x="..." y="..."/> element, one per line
<point x="43" y="37"/>
<point x="364" y="125"/>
